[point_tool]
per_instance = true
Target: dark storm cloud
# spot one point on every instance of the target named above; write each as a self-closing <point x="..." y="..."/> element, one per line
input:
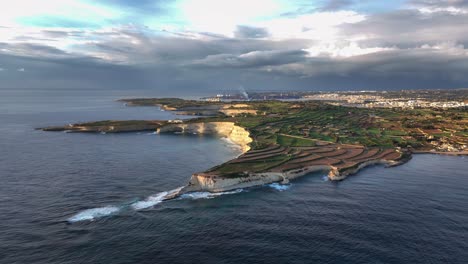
<point x="80" y="73"/>
<point x="427" y="52"/>
<point x="253" y="59"/>
<point x="250" y="32"/>
<point x="177" y="50"/>
<point x="428" y="64"/>
<point x="31" y="49"/>
<point x="273" y="69"/>
<point x="410" y="28"/>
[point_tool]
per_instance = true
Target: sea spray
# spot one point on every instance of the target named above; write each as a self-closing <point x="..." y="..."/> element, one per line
<point x="149" y="202"/>
<point x="280" y="187"/>
<point x="94" y="213"/>
<point x="155" y="199"/>
<point x="207" y="195"/>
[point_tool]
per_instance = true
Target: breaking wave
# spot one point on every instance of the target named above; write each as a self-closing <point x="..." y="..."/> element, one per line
<point x="92" y="214"/>
<point x="95" y="213"/>
<point x="207" y="195"/>
<point x="149" y="202"/>
<point x="280" y="187"/>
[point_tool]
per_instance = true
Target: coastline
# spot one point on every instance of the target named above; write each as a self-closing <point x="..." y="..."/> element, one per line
<point x="277" y="161"/>
<point x="241" y="137"/>
<point x="200" y="182"/>
<point x="448" y="153"/>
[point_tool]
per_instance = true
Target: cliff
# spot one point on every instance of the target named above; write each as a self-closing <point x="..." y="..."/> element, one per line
<point x="236" y="134"/>
<point x="215" y="183"/>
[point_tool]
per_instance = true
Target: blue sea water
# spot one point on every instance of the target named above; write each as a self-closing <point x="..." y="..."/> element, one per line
<point x="92" y="198"/>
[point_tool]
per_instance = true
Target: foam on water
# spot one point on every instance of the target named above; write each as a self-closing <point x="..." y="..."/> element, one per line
<point x="154" y="199"/>
<point x="280" y="187"/>
<point x="95" y="213"/>
<point x="92" y="214"/>
<point x="149" y="202"/>
<point x="207" y="195"/>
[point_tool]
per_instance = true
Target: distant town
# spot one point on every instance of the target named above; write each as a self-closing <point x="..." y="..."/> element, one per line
<point x="410" y="99"/>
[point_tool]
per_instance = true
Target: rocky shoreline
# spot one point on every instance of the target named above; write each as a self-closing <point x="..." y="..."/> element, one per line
<point x="202" y="182"/>
<point x="229" y="130"/>
<point x="338" y="160"/>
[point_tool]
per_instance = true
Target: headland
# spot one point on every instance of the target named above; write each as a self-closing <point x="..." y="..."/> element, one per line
<point x="281" y="140"/>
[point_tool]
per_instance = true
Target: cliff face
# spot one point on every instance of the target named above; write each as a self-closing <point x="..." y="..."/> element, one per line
<point x="229" y="130"/>
<point x="214" y="183"/>
<point x="203" y="182"/>
<point x="236" y="112"/>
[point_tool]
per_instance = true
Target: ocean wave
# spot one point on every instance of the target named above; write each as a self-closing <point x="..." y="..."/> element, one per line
<point x="94" y="213"/>
<point x="154" y="199"/>
<point x="149" y="202"/>
<point x="207" y="195"/>
<point x="280" y="187"/>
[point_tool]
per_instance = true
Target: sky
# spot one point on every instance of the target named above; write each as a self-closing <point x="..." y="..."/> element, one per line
<point x="209" y="46"/>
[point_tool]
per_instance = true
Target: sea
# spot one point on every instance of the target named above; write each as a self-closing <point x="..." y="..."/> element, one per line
<point x="96" y="198"/>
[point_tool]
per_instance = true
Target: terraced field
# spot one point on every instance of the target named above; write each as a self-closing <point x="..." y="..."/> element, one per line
<point x="293" y="135"/>
<point x="276" y="158"/>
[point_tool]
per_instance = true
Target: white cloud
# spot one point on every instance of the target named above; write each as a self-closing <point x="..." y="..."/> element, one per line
<point x="73" y="9"/>
<point x="316" y="26"/>
<point x="21" y="70"/>
<point x="222" y="17"/>
<point x="451" y="9"/>
<point x="348" y="50"/>
<point x="449" y="48"/>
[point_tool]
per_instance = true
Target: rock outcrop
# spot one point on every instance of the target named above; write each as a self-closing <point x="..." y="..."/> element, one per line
<point x="214" y="183"/>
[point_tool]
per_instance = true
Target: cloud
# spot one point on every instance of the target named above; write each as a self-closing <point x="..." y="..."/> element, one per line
<point x="427" y="63"/>
<point x="323" y="48"/>
<point x="250" y="32"/>
<point x="30" y="49"/>
<point x="253" y="59"/>
<point x="333" y="5"/>
<point x="439" y="3"/>
<point x="408" y="28"/>
<point x="433" y="6"/>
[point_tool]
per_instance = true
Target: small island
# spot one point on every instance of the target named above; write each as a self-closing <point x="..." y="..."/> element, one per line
<point x="283" y="140"/>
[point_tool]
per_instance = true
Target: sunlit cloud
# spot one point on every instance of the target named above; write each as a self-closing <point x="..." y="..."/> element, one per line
<point x="239" y="40"/>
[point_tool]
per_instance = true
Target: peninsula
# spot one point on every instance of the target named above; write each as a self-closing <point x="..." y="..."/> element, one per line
<point x="284" y="140"/>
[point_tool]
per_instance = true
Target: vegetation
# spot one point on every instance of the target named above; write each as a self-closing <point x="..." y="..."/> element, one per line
<point x="291" y="135"/>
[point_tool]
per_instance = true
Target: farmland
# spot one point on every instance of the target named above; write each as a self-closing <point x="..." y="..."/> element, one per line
<point x="288" y="136"/>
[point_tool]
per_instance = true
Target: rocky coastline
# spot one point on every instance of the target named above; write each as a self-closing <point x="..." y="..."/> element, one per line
<point x="273" y="163"/>
<point x="236" y="134"/>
